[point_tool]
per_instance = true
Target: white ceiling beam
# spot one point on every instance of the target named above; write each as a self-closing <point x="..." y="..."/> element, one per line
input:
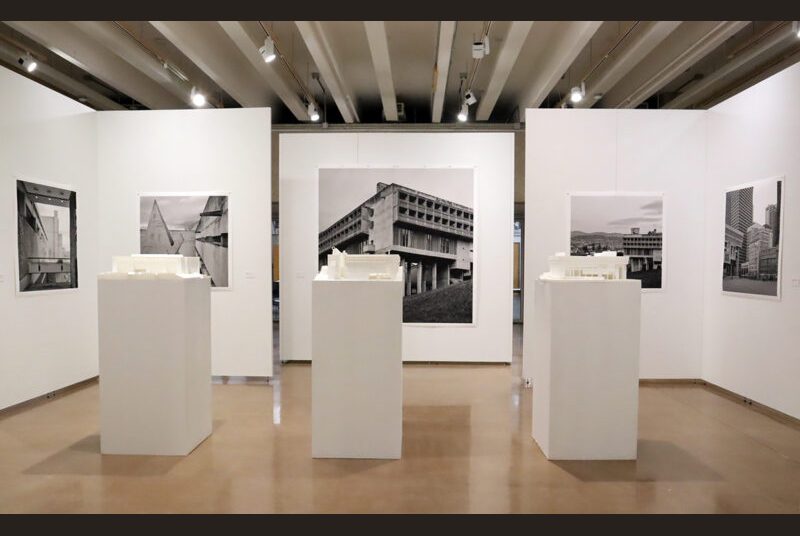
<point x="695" y="90"/>
<point x="697" y="50"/>
<point x="69" y="42"/>
<point x="512" y="45"/>
<point x="249" y="43"/>
<point x="379" y="50"/>
<point x="559" y="56"/>
<point x="317" y="44"/>
<point x="631" y="54"/>
<point x="210" y="48"/>
<point x="444" y="50"/>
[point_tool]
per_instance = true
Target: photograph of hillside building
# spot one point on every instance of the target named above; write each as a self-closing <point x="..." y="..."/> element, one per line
<point x="751" y="262"/>
<point x="46" y="237"/>
<point x="425" y="216"/>
<point x="188" y="225"/>
<point x="631" y="225"/>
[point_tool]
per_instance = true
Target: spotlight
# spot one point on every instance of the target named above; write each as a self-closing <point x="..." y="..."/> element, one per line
<point x="28" y="63"/>
<point x="576" y="94"/>
<point x="470" y="98"/>
<point x="268" y="50"/>
<point x="198" y="99"/>
<point x="796" y="27"/>
<point x="463" y="115"/>
<point x="313" y="114"/>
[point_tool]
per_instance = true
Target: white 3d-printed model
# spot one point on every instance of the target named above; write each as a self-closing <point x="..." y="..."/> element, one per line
<point x="606" y="265"/>
<point x="342" y="266"/>
<point x="153" y="267"/>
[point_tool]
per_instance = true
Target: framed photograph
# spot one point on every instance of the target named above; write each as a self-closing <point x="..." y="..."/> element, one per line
<point x="630" y="223"/>
<point x="751" y="263"/>
<point x="47" y="237"/>
<point x="424" y="215"/>
<point x="188" y="224"/>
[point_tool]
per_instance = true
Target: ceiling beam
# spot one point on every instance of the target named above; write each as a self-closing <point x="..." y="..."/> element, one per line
<point x="248" y="43"/>
<point x="69" y="42"/>
<point x="630" y="55"/>
<point x="559" y="56"/>
<point x="123" y="45"/>
<point x="512" y="45"/>
<point x="210" y="48"/>
<point x="73" y="88"/>
<point x="444" y="50"/>
<point x="379" y="50"/>
<point x="697" y="49"/>
<point x="317" y="44"/>
<point x="696" y="90"/>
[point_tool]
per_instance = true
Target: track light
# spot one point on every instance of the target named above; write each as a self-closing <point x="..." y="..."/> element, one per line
<point x="470" y="98"/>
<point x="796" y="28"/>
<point x="268" y="50"/>
<point x="198" y="99"/>
<point x="463" y="115"/>
<point x="576" y="94"/>
<point x="313" y="114"/>
<point x="28" y="63"/>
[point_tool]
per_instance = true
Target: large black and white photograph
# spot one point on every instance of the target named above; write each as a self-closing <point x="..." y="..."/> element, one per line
<point x="47" y="235"/>
<point x="751" y="264"/>
<point x="631" y="224"/>
<point x="426" y="216"/>
<point x="192" y="225"/>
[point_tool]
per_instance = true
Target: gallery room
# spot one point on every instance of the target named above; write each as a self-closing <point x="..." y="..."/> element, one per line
<point x="399" y="267"/>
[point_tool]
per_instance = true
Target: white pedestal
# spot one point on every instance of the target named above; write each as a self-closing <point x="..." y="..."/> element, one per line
<point x="357" y="369"/>
<point x="155" y="364"/>
<point x="586" y="369"/>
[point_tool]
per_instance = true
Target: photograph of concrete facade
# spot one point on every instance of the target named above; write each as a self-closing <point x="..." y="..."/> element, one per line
<point x="191" y="225"/>
<point x="631" y="224"/>
<point x="753" y="215"/>
<point x="46" y="237"/>
<point x="424" y="215"/>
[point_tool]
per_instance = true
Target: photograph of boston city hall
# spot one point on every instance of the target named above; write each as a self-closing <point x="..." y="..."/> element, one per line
<point x="433" y="237"/>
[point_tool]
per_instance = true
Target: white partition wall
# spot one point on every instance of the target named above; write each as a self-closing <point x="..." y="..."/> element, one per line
<point x="220" y="151"/>
<point x="48" y="340"/>
<point x="752" y="345"/>
<point x="492" y="157"/>
<point x="625" y="151"/>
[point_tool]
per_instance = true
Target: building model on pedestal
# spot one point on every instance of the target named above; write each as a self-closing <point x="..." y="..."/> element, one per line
<point x="606" y="265"/>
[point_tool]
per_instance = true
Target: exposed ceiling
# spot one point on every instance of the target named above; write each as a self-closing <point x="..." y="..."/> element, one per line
<point x="395" y="71"/>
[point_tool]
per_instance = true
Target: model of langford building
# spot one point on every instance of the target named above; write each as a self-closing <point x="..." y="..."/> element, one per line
<point x="433" y="236"/>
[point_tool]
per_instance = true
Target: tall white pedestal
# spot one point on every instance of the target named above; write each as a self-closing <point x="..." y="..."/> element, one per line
<point x="586" y="369"/>
<point x="356" y="369"/>
<point x="155" y="364"/>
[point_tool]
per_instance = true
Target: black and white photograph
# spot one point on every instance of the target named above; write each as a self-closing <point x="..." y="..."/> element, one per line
<point x="631" y="224"/>
<point x="192" y="225"/>
<point x="426" y="216"/>
<point x="47" y="234"/>
<point x="751" y="264"/>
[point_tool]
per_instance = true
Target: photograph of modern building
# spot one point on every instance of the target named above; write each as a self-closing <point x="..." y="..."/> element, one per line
<point x="432" y="233"/>
<point x="751" y="263"/>
<point x="46" y="237"/>
<point x="632" y="225"/>
<point x="188" y="225"/>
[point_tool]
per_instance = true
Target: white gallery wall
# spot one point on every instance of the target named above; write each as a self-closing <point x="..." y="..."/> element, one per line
<point x="48" y="340"/>
<point x="752" y="346"/>
<point x="492" y="157"/>
<point x="663" y="151"/>
<point x="225" y="151"/>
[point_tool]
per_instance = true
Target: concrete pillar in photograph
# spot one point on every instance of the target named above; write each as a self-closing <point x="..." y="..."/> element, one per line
<point x="420" y="278"/>
<point x="408" y="278"/>
<point x="433" y="276"/>
<point x="446" y="276"/>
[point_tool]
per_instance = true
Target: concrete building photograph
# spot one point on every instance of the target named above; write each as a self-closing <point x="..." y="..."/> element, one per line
<point x="432" y="233"/>
<point x="751" y="262"/>
<point x="630" y="224"/>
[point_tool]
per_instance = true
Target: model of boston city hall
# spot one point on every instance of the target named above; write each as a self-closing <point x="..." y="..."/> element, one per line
<point x="432" y="236"/>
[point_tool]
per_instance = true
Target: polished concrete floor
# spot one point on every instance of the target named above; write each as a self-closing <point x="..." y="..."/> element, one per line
<point x="466" y="448"/>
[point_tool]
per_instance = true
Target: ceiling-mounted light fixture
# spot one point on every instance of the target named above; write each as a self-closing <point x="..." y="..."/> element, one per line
<point x="576" y="94"/>
<point x="28" y="63"/>
<point x="480" y="48"/>
<point x="268" y="50"/>
<point x="198" y="99"/>
<point x="463" y="114"/>
<point x="796" y="28"/>
<point x="470" y="98"/>
<point x="313" y="114"/>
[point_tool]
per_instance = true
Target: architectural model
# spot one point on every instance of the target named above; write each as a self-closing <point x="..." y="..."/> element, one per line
<point x="361" y="267"/>
<point x="153" y="267"/>
<point x="605" y="265"/>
